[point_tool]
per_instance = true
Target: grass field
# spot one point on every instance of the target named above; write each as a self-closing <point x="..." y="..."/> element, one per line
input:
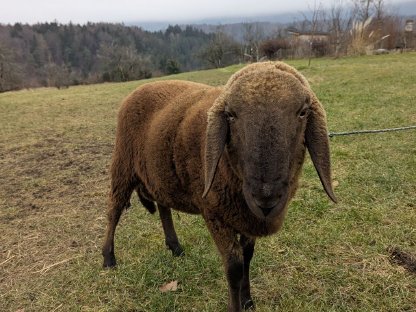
<point x="55" y="148"/>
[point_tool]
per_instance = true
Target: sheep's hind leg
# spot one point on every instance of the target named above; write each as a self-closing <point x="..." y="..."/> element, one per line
<point x="119" y="200"/>
<point x="171" y="239"/>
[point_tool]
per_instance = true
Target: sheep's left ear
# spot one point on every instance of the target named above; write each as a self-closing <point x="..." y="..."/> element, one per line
<point x="317" y="142"/>
<point x="216" y="138"/>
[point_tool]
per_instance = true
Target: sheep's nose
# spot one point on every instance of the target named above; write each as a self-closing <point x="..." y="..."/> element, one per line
<point x="268" y="197"/>
<point x="266" y="204"/>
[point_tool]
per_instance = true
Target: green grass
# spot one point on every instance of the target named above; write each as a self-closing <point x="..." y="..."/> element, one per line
<point x="55" y="148"/>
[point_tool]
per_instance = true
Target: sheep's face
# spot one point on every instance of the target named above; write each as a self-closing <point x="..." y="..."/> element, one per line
<point x="265" y="118"/>
<point x="266" y="121"/>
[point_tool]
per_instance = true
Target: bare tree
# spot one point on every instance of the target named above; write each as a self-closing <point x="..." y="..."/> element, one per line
<point x="380" y="17"/>
<point x="57" y="75"/>
<point x="316" y="21"/>
<point x="10" y="76"/>
<point x="363" y="9"/>
<point x="253" y="36"/>
<point x="221" y="50"/>
<point x="122" y="63"/>
<point x="339" y="22"/>
<point x="379" y="9"/>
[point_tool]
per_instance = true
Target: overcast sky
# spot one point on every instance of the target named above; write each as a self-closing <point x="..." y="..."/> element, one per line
<point x="82" y="11"/>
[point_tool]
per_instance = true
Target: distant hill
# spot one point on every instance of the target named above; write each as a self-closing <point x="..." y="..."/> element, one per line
<point x="237" y="30"/>
<point x="269" y="21"/>
<point x="213" y="23"/>
<point x="234" y="27"/>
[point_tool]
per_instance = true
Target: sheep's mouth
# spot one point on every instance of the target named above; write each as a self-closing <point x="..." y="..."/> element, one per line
<point x="261" y="211"/>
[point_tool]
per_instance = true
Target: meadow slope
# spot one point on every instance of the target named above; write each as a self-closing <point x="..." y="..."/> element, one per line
<point x="55" y="149"/>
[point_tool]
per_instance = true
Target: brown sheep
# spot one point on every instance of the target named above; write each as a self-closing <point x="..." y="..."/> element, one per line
<point x="231" y="154"/>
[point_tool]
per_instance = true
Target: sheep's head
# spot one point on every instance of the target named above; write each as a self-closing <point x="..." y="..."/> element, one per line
<point x="264" y="118"/>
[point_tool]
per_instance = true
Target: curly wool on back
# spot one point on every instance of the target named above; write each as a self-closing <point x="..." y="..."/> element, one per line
<point x="232" y="154"/>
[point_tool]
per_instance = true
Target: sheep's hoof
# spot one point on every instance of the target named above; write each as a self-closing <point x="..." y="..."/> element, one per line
<point x="176" y="249"/>
<point x="178" y="252"/>
<point x="109" y="261"/>
<point x="249" y="304"/>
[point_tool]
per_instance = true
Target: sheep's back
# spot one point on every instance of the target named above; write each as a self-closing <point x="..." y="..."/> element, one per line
<point x="166" y="124"/>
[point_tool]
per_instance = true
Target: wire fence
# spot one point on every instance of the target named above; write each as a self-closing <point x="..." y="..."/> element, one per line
<point x="333" y="134"/>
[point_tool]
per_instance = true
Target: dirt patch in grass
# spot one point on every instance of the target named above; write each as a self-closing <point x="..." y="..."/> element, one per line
<point x="402" y="258"/>
<point x="49" y="169"/>
<point x="53" y="199"/>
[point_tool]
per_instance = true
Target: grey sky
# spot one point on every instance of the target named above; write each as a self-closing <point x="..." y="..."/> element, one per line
<point x="82" y="11"/>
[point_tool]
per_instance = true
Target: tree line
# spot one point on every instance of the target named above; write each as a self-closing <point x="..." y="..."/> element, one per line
<point x="53" y="54"/>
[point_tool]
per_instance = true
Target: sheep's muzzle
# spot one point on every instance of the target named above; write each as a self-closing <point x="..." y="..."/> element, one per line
<point x="266" y="200"/>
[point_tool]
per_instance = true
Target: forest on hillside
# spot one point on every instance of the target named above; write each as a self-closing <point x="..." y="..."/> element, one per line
<point x="52" y="54"/>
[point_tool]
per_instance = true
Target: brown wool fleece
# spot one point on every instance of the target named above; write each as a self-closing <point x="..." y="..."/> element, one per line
<point x="161" y="137"/>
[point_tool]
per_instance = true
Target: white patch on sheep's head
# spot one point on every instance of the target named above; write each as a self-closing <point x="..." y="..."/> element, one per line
<point x="264" y="117"/>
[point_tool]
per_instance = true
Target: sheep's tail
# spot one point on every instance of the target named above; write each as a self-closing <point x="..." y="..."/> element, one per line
<point x="145" y="199"/>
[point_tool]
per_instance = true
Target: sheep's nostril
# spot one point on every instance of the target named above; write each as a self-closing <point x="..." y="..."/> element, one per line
<point x="266" y="205"/>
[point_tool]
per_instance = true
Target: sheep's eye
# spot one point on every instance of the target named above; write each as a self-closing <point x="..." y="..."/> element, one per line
<point x="304" y="112"/>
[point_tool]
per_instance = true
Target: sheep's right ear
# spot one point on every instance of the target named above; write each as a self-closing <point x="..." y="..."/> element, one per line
<point x="216" y="138"/>
<point x="317" y="142"/>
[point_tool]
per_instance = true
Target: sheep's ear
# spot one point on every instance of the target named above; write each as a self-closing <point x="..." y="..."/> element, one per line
<point x="317" y="142"/>
<point x="216" y="138"/>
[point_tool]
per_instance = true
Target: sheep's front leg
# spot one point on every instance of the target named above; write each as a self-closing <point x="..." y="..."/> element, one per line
<point x="171" y="239"/>
<point x="248" y="250"/>
<point x="232" y="255"/>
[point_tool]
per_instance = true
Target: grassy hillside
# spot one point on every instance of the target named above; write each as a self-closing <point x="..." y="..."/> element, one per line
<point x="55" y="148"/>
